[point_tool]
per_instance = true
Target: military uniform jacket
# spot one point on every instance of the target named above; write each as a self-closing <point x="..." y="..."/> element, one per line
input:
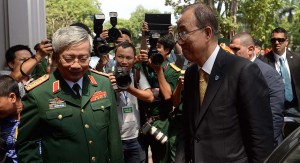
<point x="171" y="73"/>
<point x="70" y="129"/>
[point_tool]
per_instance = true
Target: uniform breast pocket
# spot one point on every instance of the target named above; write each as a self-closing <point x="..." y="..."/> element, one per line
<point x="61" y="122"/>
<point x="101" y="112"/>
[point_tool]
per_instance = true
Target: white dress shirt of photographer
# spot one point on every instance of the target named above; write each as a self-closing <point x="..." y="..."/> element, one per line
<point x="128" y="112"/>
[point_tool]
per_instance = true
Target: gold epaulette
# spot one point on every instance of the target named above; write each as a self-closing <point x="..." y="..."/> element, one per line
<point x="37" y="82"/>
<point x="182" y="72"/>
<point x="175" y="67"/>
<point x="100" y="73"/>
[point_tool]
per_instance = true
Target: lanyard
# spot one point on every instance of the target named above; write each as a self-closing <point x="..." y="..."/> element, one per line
<point x="125" y="95"/>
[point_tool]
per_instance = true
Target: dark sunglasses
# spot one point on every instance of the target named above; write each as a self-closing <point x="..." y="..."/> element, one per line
<point x="280" y="40"/>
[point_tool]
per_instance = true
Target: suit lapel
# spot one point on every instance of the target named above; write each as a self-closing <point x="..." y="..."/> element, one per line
<point x="290" y="59"/>
<point x="271" y="58"/>
<point x="215" y="79"/>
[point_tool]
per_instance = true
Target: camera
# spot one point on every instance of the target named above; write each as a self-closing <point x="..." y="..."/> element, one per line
<point x="156" y="58"/>
<point x="158" y="25"/>
<point x="152" y="130"/>
<point x="103" y="46"/>
<point x="123" y="78"/>
<point x="113" y="32"/>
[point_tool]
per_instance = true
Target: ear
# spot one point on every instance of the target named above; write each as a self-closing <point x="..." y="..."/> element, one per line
<point x="168" y="51"/>
<point x="12" y="97"/>
<point x="208" y="32"/>
<point x="10" y="65"/>
<point x="251" y="50"/>
<point x="55" y="56"/>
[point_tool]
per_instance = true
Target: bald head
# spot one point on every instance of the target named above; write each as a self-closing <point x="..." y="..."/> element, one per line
<point x="242" y="44"/>
<point x="245" y="39"/>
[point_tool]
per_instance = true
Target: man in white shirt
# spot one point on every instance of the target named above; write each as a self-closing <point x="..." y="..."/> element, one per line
<point x="287" y="64"/>
<point x="127" y="104"/>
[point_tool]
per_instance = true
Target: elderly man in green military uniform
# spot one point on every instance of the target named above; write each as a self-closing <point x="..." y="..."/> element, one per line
<point x="163" y="80"/>
<point x="72" y="111"/>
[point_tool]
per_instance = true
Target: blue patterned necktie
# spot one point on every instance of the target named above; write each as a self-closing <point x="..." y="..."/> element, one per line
<point x="287" y="81"/>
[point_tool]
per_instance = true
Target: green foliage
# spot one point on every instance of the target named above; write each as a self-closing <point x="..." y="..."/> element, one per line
<point x="61" y="13"/>
<point x="258" y="17"/>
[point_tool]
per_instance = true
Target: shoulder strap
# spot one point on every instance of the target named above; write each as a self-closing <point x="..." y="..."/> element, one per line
<point x="136" y="77"/>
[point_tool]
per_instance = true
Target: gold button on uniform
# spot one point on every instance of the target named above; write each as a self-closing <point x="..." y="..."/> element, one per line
<point x="59" y="116"/>
<point x="93" y="158"/>
<point x="102" y="107"/>
<point x="90" y="142"/>
<point x="82" y="111"/>
<point x="86" y="126"/>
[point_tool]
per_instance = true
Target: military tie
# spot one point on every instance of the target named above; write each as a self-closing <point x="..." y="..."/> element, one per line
<point x="76" y="88"/>
<point x="287" y="81"/>
<point x="202" y="85"/>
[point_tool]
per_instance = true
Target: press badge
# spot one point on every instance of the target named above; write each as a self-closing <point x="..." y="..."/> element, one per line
<point x="128" y="114"/>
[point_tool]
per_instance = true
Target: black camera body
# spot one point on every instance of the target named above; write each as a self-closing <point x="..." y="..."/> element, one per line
<point x="156" y="58"/>
<point x="152" y="130"/>
<point x="123" y="78"/>
<point x="158" y="25"/>
<point x="102" y="46"/>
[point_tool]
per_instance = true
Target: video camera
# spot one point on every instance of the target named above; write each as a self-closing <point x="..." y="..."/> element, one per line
<point x="102" y="46"/>
<point x="123" y="78"/>
<point x="158" y="25"/>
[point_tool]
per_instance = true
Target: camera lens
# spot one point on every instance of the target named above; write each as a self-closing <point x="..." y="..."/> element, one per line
<point x="123" y="78"/>
<point x="161" y="137"/>
<point x="157" y="59"/>
<point x="113" y="34"/>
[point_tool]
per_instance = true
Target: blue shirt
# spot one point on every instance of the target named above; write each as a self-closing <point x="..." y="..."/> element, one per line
<point x="9" y="129"/>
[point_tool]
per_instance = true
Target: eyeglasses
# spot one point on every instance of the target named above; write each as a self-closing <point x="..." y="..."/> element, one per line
<point x="280" y="40"/>
<point x="70" y="60"/>
<point x="184" y="35"/>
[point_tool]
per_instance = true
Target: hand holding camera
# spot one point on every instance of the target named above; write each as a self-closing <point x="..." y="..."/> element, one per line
<point x="44" y="49"/>
<point x="103" y="38"/>
<point x="142" y="57"/>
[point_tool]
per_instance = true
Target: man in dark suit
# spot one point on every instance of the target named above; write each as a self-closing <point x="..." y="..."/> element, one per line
<point x="230" y="120"/>
<point x="71" y="112"/>
<point x="291" y="61"/>
<point x="243" y="45"/>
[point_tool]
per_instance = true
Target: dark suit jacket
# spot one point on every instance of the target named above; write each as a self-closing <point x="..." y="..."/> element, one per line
<point x="294" y="66"/>
<point x="82" y="130"/>
<point x="276" y="92"/>
<point x="234" y="123"/>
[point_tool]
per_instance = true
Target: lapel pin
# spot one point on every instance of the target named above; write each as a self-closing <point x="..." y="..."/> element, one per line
<point x="217" y="77"/>
<point x="291" y="56"/>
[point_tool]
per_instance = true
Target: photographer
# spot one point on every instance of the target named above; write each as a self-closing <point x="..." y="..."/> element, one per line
<point x="163" y="80"/>
<point x="107" y="61"/>
<point x="127" y="102"/>
<point x="175" y="56"/>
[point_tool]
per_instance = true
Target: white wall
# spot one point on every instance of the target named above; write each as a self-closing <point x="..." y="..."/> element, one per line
<point x="21" y="22"/>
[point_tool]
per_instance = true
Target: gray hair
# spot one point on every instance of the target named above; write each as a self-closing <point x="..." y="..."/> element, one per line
<point x="68" y="36"/>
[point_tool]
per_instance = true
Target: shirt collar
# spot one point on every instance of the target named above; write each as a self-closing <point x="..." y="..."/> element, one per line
<point x="208" y="65"/>
<point x="70" y="83"/>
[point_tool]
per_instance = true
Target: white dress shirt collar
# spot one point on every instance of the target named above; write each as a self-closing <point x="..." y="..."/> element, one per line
<point x="208" y="65"/>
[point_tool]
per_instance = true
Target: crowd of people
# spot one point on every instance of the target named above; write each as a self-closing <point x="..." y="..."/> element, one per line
<point x="186" y="97"/>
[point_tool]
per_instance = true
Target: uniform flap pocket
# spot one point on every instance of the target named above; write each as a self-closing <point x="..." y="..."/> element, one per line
<point x="59" y="113"/>
<point x="101" y="104"/>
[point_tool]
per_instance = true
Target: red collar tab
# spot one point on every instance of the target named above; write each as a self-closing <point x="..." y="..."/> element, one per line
<point x="56" y="86"/>
<point x="92" y="79"/>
